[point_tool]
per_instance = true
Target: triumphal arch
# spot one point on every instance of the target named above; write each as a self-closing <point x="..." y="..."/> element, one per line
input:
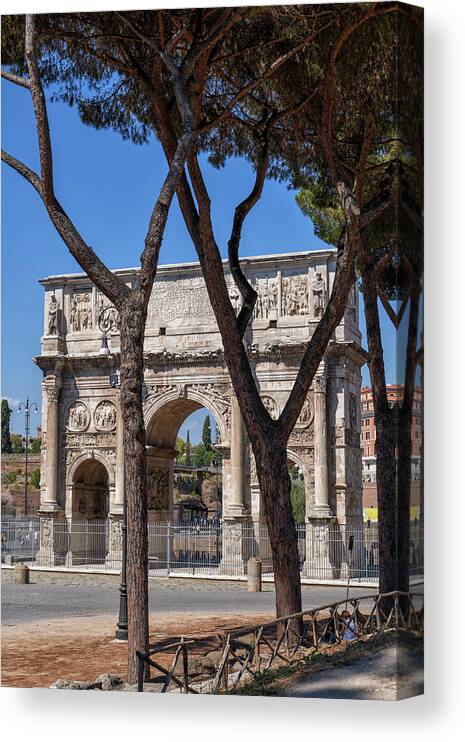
<point x="82" y="453"/>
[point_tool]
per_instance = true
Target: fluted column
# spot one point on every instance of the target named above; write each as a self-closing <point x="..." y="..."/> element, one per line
<point x="321" y="507"/>
<point x="317" y="562"/>
<point x="119" y="473"/>
<point x="50" y="499"/>
<point x="236" y="502"/>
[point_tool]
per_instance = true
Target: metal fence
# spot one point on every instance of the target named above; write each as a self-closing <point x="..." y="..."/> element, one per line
<point x="222" y="662"/>
<point x="20" y="539"/>
<point x="201" y="549"/>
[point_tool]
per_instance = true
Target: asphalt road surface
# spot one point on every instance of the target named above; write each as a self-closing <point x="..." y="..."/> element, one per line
<point x="58" y="595"/>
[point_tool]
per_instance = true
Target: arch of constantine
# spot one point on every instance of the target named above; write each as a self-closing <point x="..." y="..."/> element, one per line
<point x="82" y="454"/>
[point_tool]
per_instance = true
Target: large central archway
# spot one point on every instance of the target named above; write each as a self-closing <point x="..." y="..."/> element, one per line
<point x="164" y="417"/>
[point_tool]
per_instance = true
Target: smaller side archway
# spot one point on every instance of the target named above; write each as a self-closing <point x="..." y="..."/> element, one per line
<point x="89" y="483"/>
<point x="87" y="506"/>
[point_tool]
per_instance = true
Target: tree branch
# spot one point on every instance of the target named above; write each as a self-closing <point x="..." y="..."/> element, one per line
<point x="29" y="175"/>
<point x="23" y="82"/>
<point x="172" y="67"/>
<point x="249" y="399"/>
<point x="274" y="67"/>
<point x="159" y="216"/>
<point x="40" y="110"/>
<point x="109" y="283"/>
<point x="343" y="279"/>
<point x="248" y="293"/>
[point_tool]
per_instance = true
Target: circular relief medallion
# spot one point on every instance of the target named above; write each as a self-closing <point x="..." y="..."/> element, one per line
<point x="105" y="415"/>
<point x="272" y="406"/>
<point x="78" y="417"/>
<point x="306" y="415"/>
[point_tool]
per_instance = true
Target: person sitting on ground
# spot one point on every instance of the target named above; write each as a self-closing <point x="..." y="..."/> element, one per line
<point x="349" y="626"/>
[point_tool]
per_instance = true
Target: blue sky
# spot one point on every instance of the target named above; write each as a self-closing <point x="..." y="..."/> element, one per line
<point x="108" y="187"/>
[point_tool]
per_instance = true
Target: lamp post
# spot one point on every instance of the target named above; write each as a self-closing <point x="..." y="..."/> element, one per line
<point x="107" y="321"/>
<point x="26" y="408"/>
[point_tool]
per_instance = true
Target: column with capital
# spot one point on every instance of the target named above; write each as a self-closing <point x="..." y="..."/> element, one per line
<point x="234" y="556"/>
<point x="317" y="559"/>
<point x="115" y="516"/>
<point x="236" y="506"/>
<point x="49" y="501"/>
<point x="53" y="534"/>
<point x="119" y="472"/>
<point x="321" y="508"/>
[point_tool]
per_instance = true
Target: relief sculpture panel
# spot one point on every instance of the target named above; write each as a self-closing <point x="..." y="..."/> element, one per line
<point x="78" y="417"/>
<point x="158" y="489"/>
<point x="266" y="306"/>
<point x="179" y="300"/>
<point x="105" y="415"/>
<point x="271" y="406"/>
<point x="295" y="295"/>
<point x="306" y="415"/>
<point x="80" y="312"/>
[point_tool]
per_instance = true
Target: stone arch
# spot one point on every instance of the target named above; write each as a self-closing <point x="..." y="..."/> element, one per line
<point x="297" y="459"/>
<point x="165" y="413"/>
<point x="90" y="484"/>
<point x="85" y="456"/>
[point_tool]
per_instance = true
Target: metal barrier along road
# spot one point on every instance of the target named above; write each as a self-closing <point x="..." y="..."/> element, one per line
<point x="332" y="552"/>
<point x="20" y="538"/>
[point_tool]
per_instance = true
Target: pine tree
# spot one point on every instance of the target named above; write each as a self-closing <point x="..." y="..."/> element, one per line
<point x="188" y="450"/>
<point x="6" y="440"/>
<point x="207" y="433"/>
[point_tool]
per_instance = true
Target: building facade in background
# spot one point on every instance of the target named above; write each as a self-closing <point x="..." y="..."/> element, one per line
<point x="395" y="393"/>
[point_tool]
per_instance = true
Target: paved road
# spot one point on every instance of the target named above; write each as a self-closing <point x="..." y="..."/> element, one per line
<point x="393" y="673"/>
<point x="58" y="595"/>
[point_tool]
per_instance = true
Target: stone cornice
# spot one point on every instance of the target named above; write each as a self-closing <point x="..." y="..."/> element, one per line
<point x="347" y="349"/>
<point x="164" y="358"/>
<point x="49" y="363"/>
<point x="276" y="261"/>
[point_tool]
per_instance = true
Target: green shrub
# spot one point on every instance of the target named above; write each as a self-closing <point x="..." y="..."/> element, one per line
<point x="35" y="478"/>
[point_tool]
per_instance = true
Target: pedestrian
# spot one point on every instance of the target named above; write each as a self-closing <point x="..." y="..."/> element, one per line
<point x="349" y="626"/>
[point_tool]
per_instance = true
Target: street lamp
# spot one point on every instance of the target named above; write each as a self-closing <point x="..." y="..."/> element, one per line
<point x="108" y="321"/>
<point x="26" y="408"/>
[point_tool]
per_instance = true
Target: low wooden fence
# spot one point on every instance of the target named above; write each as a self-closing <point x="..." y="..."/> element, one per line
<point x="221" y="662"/>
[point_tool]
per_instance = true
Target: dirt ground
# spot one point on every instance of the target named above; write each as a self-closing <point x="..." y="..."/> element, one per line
<point x="36" y="654"/>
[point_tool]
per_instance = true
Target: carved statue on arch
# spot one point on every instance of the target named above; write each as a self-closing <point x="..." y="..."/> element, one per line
<point x="53" y="309"/>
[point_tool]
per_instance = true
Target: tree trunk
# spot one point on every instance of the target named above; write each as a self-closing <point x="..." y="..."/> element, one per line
<point x="385" y="445"/>
<point x="393" y="443"/>
<point x="386" y="475"/>
<point x="404" y="479"/>
<point x="404" y="438"/>
<point x="275" y="487"/>
<point x="132" y="344"/>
